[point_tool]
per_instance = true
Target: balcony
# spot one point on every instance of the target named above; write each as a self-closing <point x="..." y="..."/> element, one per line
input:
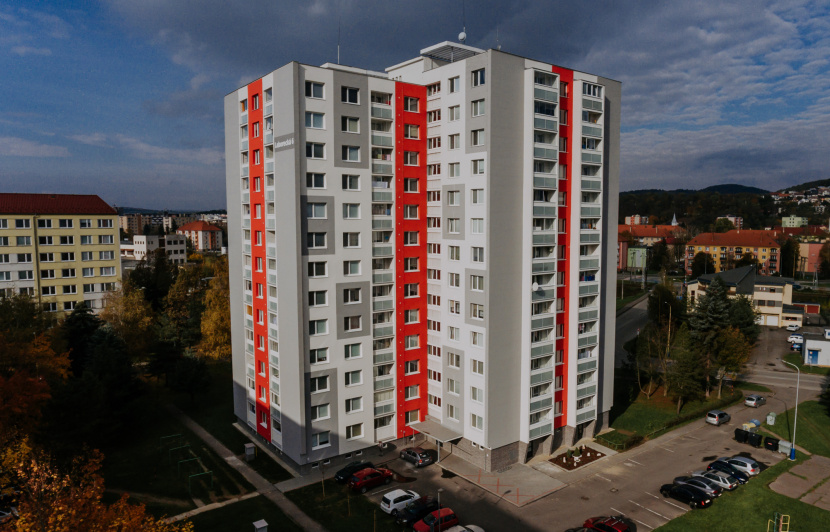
<point x="540" y="181"/>
<point x="381" y="224"/>
<point x="586" y="365"/>
<point x="541" y="404"/>
<point x="383" y="304"/>
<point x="272" y="306"/>
<point x="545" y="153"/>
<point x="384" y="113"/>
<point x="544" y="210"/>
<point x="541" y="430"/>
<point x="590" y="184"/>
<point x="546" y="124"/>
<point x="587" y="414"/>
<point x="589" y="238"/>
<point x="585" y="391"/>
<point x="269" y="166"/>
<point x="541" y="295"/>
<point x="544" y="376"/>
<point x="386" y="330"/>
<point x="382" y="140"/>
<point x="544" y="239"/>
<point x="381" y="251"/>
<point x="383" y="357"/>
<point x="592" y="158"/>
<point x="383" y="278"/>
<point x="544" y="267"/>
<point x="542" y="323"/>
<point x="541" y="350"/>
<point x="588" y="264"/>
<point x="546" y="95"/>
<point x="243" y="119"/>
<point x="591" y="211"/>
<point x="271" y="224"/>
<point x="587" y="315"/>
<point x="596" y="105"/>
<point x="382" y="195"/>
<point x="244" y="145"/>
<point x="269" y="109"/>
<point x="585" y="341"/>
<point x="269" y="137"/>
<point x="384" y="383"/>
<point x="591" y="131"/>
<point x="381" y="168"/>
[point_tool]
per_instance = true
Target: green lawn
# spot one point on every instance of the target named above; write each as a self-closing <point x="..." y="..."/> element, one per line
<point x="213" y="410"/>
<point x="751" y="506"/>
<point x="813" y="429"/>
<point x="751" y="387"/>
<point x="796" y="358"/>
<point x="341" y="510"/>
<point x="145" y="465"/>
<point x="240" y="515"/>
<point x="631" y="291"/>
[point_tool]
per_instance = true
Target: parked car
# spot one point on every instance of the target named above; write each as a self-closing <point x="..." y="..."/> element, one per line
<point x="465" y="528"/>
<point x="368" y="478"/>
<point x="755" y="400"/>
<point x="793" y="327"/>
<point x="687" y="494"/>
<point x="717" y="417"/>
<point x="719" y="465"/>
<point x="346" y="473"/>
<point x="608" y="524"/>
<point x="416" y="510"/>
<point x="719" y="478"/>
<point x="417" y="456"/>
<point x="703" y="484"/>
<point x="396" y="500"/>
<point x="796" y="339"/>
<point x="747" y="466"/>
<point x="796" y="347"/>
<point x="440" y="519"/>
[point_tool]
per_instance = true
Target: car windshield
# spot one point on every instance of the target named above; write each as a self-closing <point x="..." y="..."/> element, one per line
<point x="423" y="454"/>
<point x="430" y="519"/>
<point x="732" y="480"/>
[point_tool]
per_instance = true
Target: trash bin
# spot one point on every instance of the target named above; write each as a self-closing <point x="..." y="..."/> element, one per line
<point x="771" y="418"/>
<point x="741" y="435"/>
<point x="770" y="443"/>
<point x="250" y="452"/>
<point x="784" y="447"/>
<point x="755" y="439"/>
<point x="756" y="422"/>
<point x="748" y="426"/>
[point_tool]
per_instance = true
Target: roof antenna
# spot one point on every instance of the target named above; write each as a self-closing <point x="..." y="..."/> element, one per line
<point x="498" y="42"/>
<point x="338" y="40"/>
<point x="463" y="35"/>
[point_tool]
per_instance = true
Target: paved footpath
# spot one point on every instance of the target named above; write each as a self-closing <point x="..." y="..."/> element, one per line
<point x="262" y="486"/>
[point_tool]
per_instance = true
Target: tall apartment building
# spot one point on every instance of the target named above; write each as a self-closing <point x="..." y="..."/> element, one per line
<point x="426" y="250"/>
<point x="59" y="248"/>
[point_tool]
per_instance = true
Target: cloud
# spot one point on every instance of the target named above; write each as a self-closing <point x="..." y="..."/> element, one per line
<point x="17" y="147"/>
<point x="30" y="50"/>
<point x="54" y="26"/>
<point x="203" y="104"/>
<point x="143" y="150"/>
<point x="95" y="139"/>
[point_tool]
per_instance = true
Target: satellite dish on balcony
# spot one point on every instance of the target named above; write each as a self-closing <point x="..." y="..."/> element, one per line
<point x="535" y="286"/>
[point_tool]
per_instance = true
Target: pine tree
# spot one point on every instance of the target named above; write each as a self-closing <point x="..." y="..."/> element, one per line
<point x="710" y="316"/>
<point x="686" y="373"/>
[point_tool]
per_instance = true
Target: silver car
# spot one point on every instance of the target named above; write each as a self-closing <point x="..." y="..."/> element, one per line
<point x="744" y="465"/>
<point x="717" y="417"/>
<point x="727" y="482"/>
<point x="754" y="400"/>
<point x="703" y="484"/>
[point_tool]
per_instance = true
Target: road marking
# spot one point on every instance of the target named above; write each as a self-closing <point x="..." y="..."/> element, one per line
<point x="603" y="478"/>
<point x="690" y="437"/>
<point x="653" y="495"/>
<point x="676" y="506"/>
<point x="623" y="514"/>
<point x="669" y="450"/>
<point x="635" y="461"/>
<point x="650" y="510"/>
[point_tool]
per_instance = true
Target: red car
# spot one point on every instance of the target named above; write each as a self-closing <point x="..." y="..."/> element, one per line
<point x="436" y="521"/>
<point x="607" y="524"/>
<point x="368" y="478"/>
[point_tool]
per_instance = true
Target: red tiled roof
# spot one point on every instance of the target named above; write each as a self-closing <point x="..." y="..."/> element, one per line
<point x="736" y="237"/>
<point x="650" y="231"/>
<point x="198" y="226"/>
<point x="11" y="203"/>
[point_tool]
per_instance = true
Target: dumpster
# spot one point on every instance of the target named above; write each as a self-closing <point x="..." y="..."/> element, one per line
<point x="771" y="418"/>
<point x="784" y="447"/>
<point x="756" y="422"/>
<point x="771" y="444"/>
<point x="755" y="439"/>
<point x="250" y="452"/>
<point x="741" y="435"/>
<point x="749" y="426"/>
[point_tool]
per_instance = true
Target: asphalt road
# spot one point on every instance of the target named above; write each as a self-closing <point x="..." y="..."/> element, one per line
<point x="629" y="324"/>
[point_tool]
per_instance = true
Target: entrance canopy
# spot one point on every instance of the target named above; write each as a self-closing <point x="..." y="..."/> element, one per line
<point x="435" y="430"/>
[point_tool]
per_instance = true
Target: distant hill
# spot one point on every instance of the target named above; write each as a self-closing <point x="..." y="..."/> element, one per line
<point x="719" y="189"/>
<point x="808" y="185"/>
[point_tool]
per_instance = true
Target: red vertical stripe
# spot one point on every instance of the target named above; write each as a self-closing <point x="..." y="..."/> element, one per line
<point x="402" y="117"/>
<point x="258" y="253"/>
<point x="564" y="263"/>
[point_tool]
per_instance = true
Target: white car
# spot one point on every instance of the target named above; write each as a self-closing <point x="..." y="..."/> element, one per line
<point x="465" y="528"/>
<point x="744" y="465"/>
<point x="727" y="482"/>
<point x="796" y="339"/>
<point x="396" y="500"/>
<point x="793" y="327"/>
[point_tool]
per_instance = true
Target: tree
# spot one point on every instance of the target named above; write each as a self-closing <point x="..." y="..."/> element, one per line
<point x="747" y="259"/>
<point x="154" y="276"/>
<point x="71" y="499"/>
<point x="702" y="264"/>
<point x="76" y="330"/>
<point x="644" y="358"/>
<point x="216" y="319"/>
<point x="722" y="225"/>
<point x="733" y="351"/>
<point x="190" y="375"/>
<point x="22" y="399"/>
<point x="710" y="316"/>
<point x="686" y="371"/>
<point x="131" y="317"/>
<point x="21" y="318"/>
<point x="790" y="255"/>
<point x="660" y="259"/>
<point x="742" y="316"/>
<point x="184" y="305"/>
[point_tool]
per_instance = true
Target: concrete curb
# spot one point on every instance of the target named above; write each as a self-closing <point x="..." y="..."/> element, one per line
<point x="633" y="304"/>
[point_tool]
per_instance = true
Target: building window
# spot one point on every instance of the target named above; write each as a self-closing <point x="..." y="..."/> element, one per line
<point x="544" y="108"/>
<point x="88" y="272"/>
<point x="455" y="252"/>
<point x="108" y="271"/>
<point x="47" y="257"/>
<point x="351" y="240"/>
<point x="454" y="169"/>
<point x="44" y="223"/>
<point x="24" y="223"/>
<point x="353" y="378"/>
<point x="410" y="264"/>
<point x="455" y="280"/>
<point x="353" y="351"/>
<point x="589" y="89"/>
<point x="477" y="366"/>
<point x="316" y="269"/>
<point x="351" y="154"/>
<point x="351" y="267"/>
<point x="412" y="341"/>
<point x="104" y="223"/>
<point x="454" y="333"/>
<point x="477" y="226"/>
<point x="476" y="394"/>
<point x="315" y="150"/>
<point x="354" y="432"/>
<point x="476" y="311"/>
<point x="314" y="120"/>
<point x="313" y="180"/>
<point x="316" y="240"/>
<point x="410" y="290"/>
<point x="410" y="184"/>
<point x="410" y="158"/>
<point x="478" y="167"/>
<point x="454" y="360"/>
<point x="410" y="238"/>
<point x="29" y="275"/>
<point x="352" y="323"/>
<point x="410" y="104"/>
<point x="350" y="124"/>
<point x="433" y="143"/>
<point x="454" y="306"/>
<point x="477" y="283"/>
<point x="433" y="116"/>
<point x="354" y="404"/>
<point x="320" y="412"/>
<point x="477" y="137"/>
<point x="68" y="273"/>
<point x="477" y="196"/>
<point x="319" y="384"/>
<point x="41" y="240"/>
<point x="434" y="169"/>
<point x="320" y="440"/>
<point x="318" y="327"/>
<point x="454" y="113"/>
<point x="313" y="89"/>
<point x="351" y="211"/>
<point x="349" y="95"/>
<point x="411" y="316"/>
<point x="410" y="212"/>
<point x="455" y="84"/>
<point x="454" y="141"/>
<point x="410" y="367"/>
<point x="453" y="226"/>
<point x="319" y="356"/>
<point x="478" y="254"/>
<point x="351" y="182"/>
<point x="413" y="416"/>
<point x="478" y="107"/>
<point x="411" y="392"/>
<point x="478" y="77"/>
<point x="477" y="421"/>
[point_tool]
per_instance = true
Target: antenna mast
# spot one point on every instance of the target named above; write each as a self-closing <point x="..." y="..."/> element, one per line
<point x="338" y="40"/>
<point x="463" y="35"/>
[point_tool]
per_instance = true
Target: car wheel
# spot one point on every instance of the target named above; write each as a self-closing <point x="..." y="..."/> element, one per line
<point x="362" y="490"/>
<point x="665" y="494"/>
<point x="692" y="505"/>
<point x="388" y="480"/>
<point x="402" y="456"/>
<point x="395" y="513"/>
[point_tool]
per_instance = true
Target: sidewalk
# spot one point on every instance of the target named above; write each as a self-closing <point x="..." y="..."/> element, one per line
<point x="262" y="486"/>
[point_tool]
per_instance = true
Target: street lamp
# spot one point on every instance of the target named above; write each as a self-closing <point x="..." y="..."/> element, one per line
<point x="795" y="422"/>
<point x="439" y="500"/>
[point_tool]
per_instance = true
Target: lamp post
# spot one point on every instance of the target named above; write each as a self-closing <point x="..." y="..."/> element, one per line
<point x="795" y="422"/>
<point x="439" y="500"/>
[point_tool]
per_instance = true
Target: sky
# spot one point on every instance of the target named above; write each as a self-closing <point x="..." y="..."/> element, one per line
<point x="123" y="98"/>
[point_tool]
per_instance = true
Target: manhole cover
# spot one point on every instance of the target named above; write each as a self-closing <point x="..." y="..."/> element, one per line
<point x="614" y="490"/>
